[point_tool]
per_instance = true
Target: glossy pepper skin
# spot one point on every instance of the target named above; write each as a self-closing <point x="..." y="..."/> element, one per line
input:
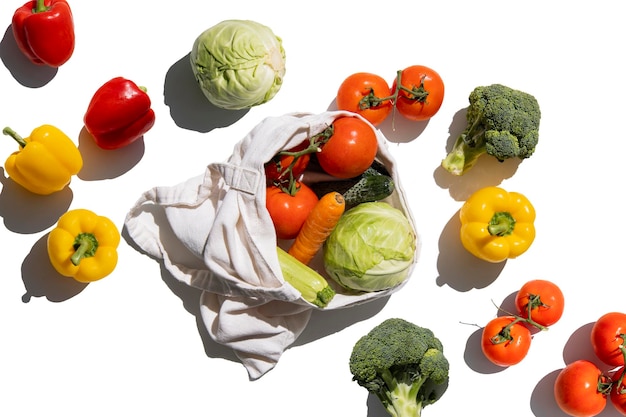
<point x="496" y="224"/>
<point x="46" y="161"/>
<point x="44" y="31"/>
<point x="119" y="113"/>
<point x="83" y="246"/>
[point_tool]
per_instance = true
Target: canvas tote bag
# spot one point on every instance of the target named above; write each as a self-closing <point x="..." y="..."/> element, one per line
<point x="213" y="232"/>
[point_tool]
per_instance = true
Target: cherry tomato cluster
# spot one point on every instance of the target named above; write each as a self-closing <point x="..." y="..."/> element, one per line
<point x="345" y="149"/>
<point x="505" y="340"/>
<point x="416" y="93"/>
<point x="581" y="389"/>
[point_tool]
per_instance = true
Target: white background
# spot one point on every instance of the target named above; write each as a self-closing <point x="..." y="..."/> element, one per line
<point x="133" y="343"/>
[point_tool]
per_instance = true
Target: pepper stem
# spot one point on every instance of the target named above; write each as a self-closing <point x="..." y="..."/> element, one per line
<point x="10" y="132"/>
<point x="502" y="223"/>
<point x="40" y="7"/>
<point x="85" y="246"/>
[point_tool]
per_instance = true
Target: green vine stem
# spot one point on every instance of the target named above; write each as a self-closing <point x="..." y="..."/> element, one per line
<point x="618" y="384"/>
<point x="504" y="335"/>
<point x="416" y="94"/>
<point x="286" y="182"/>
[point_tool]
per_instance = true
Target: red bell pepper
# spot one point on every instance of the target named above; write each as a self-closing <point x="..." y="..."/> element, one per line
<point x="119" y="113"/>
<point x="44" y="31"/>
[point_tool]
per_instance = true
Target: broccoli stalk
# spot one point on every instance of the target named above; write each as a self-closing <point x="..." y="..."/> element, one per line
<point x="400" y="395"/>
<point x="402" y="364"/>
<point x="501" y="122"/>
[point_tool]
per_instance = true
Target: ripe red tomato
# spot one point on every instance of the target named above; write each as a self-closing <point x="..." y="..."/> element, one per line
<point x="505" y="342"/>
<point x="542" y="299"/>
<point x="618" y="395"/>
<point x="607" y="334"/>
<point x="579" y="391"/>
<point x="362" y="93"/>
<point x="275" y="168"/>
<point x="428" y="94"/>
<point x="289" y="212"/>
<point x="350" y="150"/>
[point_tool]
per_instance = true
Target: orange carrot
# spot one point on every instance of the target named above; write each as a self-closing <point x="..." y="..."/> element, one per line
<point x="318" y="226"/>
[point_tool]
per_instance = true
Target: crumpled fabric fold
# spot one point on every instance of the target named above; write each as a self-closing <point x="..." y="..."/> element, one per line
<point x="212" y="232"/>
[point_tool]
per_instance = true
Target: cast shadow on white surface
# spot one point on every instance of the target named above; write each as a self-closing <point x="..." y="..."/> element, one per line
<point x="376" y="409"/>
<point x="488" y="170"/>
<point x="578" y="346"/>
<point x="473" y="355"/>
<point x="458" y="268"/>
<point x="543" y="404"/>
<point x="396" y="128"/>
<point x="23" y="71"/>
<point x="100" y="164"/>
<point x="325" y="323"/>
<point x="190" y="298"/>
<point x="189" y="108"/>
<point x="42" y="280"/>
<point x="542" y="400"/>
<point x="24" y="212"/>
<point x="399" y="129"/>
<point x="321" y="324"/>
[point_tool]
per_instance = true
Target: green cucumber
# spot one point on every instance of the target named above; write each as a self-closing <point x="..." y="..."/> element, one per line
<point x="369" y="188"/>
<point x="313" y="287"/>
<point x="377" y="168"/>
<point x="373" y="185"/>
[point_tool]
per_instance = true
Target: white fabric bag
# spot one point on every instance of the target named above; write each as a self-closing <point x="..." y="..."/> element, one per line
<point x="213" y="232"/>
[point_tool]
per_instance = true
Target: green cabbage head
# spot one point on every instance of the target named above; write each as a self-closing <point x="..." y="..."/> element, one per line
<point x="371" y="248"/>
<point x="238" y="64"/>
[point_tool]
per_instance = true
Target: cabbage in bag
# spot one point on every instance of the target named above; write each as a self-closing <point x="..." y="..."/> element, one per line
<point x="371" y="248"/>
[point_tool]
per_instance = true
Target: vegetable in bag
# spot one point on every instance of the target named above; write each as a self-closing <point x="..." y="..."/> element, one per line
<point x="371" y="248"/>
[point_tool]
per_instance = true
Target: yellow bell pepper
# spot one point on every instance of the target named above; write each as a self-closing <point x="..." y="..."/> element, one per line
<point x="497" y="225"/>
<point x="83" y="245"/>
<point x="45" y="162"/>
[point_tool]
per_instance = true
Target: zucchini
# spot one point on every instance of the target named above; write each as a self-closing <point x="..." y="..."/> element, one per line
<point x="313" y="287"/>
<point x="373" y="185"/>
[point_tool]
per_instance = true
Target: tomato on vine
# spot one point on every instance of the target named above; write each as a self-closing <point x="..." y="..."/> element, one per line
<point x="608" y="335"/>
<point x="618" y="393"/>
<point x="289" y="164"/>
<point x="289" y="211"/>
<point x="420" y="91"/>
<point x="365" y="94"/>
<point x="505" y="340"/>
<point x="351" y="149"/>
<point x="541" y="300"/>
<point x="581" y="390"/>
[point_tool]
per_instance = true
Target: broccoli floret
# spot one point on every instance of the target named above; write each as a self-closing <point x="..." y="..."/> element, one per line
<point x="402" y="364"/>
<point x="501" y="122"/>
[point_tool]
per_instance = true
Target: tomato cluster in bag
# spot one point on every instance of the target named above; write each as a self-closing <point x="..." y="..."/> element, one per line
<point x="344" y="150"/>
